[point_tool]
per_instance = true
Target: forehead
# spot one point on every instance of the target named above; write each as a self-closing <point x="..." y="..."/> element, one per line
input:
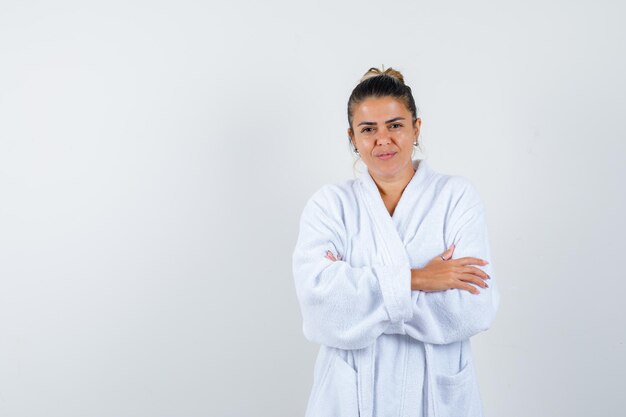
<point x="380" y="108"/>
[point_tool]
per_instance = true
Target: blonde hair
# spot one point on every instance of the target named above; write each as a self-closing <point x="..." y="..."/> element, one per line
<point x="374" y="72"/>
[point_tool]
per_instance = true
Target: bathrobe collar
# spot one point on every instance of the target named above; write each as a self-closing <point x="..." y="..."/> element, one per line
<point x="423" y="171"/>
<point x="388" y="225"/>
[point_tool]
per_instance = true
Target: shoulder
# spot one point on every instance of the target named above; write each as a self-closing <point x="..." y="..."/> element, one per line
<point x="461" y="199"/>
<point x="327" y="209"/>
<point x="332" y="198"/>
<point x="458" y="191"/>
<point x="463" y="191"/>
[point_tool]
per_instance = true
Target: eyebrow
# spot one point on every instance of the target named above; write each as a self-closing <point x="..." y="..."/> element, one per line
<point x="388" y="121"/>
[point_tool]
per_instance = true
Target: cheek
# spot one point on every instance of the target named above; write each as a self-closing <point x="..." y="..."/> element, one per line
<point x="364" y="144"/>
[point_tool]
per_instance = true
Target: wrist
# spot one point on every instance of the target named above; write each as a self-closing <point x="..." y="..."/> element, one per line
<point x="416" y="279"/>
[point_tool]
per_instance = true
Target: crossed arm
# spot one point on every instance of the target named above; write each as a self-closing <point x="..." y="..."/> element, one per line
<point x="349" y="307"/>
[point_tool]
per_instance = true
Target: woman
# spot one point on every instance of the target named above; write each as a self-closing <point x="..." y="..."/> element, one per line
<point x="391" y="272"/>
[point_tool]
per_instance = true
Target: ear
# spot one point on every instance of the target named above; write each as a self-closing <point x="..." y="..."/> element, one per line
<point x="351" y="135"/>
<point x="417" y="126"/>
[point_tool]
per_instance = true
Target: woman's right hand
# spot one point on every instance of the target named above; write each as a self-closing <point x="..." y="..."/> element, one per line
<point x="440" y="274"/>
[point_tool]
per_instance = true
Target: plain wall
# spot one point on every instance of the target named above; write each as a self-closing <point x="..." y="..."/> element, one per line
<point x="155" y="157"/>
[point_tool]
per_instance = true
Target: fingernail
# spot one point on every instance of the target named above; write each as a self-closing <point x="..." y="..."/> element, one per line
<point x="486" y="285"/>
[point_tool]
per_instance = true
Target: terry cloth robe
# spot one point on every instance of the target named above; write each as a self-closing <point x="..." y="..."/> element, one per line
<point x="387" y="350"/>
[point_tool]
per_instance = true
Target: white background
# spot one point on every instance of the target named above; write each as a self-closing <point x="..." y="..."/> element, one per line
<point x="155" y="157"/>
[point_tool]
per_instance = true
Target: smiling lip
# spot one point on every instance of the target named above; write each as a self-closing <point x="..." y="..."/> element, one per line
<point x="385" y="156"/>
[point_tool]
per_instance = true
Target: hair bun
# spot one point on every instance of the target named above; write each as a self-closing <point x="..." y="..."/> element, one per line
<point x="375" y="72"/>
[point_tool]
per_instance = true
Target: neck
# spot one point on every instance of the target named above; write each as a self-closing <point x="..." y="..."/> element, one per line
<point x="393" y="186"/>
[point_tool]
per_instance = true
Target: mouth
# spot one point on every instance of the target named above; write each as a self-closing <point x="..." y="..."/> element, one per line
<point x="385" y="156"/>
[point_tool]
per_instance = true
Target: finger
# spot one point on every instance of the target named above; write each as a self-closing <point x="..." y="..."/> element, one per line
<point x="472" y="289"/>
<point x="473" y="270"/>
<point x="471" y="260"/>
<point x="447" y="254"/>
<point x="474" y="280"/>
<point x="465" y="286"/>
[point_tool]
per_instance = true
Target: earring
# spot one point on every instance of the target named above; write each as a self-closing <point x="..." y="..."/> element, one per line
<point x="354" y="149"/>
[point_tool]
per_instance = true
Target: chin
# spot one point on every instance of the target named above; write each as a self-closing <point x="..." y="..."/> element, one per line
<point x="389" y="168"/>
<point x="386" y="171"/>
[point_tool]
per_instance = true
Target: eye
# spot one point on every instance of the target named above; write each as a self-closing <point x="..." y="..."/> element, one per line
<point x="396" y="124"/>
<point x="366" y="130"/>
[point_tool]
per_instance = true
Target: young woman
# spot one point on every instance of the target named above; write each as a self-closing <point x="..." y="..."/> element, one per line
<point x="391" y="272"/>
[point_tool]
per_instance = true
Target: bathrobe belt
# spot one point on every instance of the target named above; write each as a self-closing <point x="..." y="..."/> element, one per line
<point x="365" y="360"/>
<point x="430" y="403"/>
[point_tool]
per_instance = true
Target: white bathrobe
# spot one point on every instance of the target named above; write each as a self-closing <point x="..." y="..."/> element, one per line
<point x="387" y="350"/>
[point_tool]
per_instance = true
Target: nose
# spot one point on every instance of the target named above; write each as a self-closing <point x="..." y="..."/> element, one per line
<point x="383" y="137"/>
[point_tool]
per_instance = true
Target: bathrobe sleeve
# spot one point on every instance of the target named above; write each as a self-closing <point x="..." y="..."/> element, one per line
<point x="343" y="306"/>
<point x="453" y="315"/>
